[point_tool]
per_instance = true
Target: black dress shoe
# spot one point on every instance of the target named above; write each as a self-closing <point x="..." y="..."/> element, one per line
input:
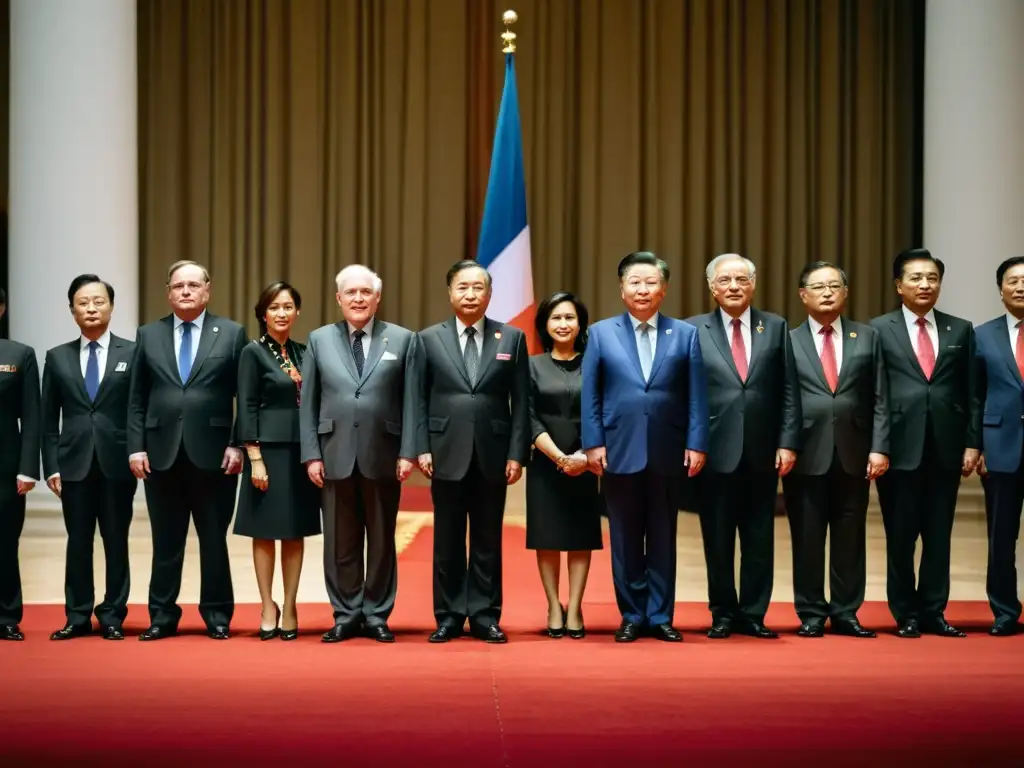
<point x="11" y="632"/>
<point x="627" y="632"/>
<point x="811" y="629"/>
<point x="850" y="628"/>
<point x="380" y="632"/>
<point x="156" y="632"/>
<point x="755" y="629"/>
<point x="666" y="632"/>
<point x="72" y="631"/>
<point x="1001" y="628"/>
<point x="720" y="630"/>
<point x="939" y="626"/>
<point x="908" y="628"/>
<point x="443" y="634"/>
<point x="113" y="633"/>
<point x="491" y="634"/>
<point x="220" y="632"/>
<point x="340" y="632"/>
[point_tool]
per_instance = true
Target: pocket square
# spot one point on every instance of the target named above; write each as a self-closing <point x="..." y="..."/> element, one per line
<point x="953" y="347"/>
<point x="503" y="356"/>
<point x="389" y="356"/>
<point x="121" y="367"/>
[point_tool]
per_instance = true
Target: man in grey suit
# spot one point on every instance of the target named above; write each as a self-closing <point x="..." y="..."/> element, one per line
<point x="358" y="427"/>
<point x="845" y="445"/>
<point x="754" y="404"/>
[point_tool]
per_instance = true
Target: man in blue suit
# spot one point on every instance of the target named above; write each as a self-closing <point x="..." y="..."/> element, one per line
<point x="645" y="426"/>
<point x="1000" y="353"/>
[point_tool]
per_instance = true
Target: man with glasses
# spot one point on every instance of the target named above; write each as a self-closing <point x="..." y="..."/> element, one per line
<point x="934" y="438"/>
<point x="181" y="437"/>
<point x="845" y="442"/>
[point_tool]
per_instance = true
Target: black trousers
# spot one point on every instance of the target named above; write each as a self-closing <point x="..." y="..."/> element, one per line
<point x="470" y="589"/>
<point x="358" y="510"/>
<point x="918" y="503"/>
<point x="1004" y="497"/>
<point x="12" y="520"/>
<point x="97" y="500"/>
<point x="740" y="502"/>
<point x="834" y="504"/>
<point x="206" y="496"/>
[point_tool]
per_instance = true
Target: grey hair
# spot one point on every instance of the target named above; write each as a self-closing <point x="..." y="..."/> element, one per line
<point x="712" y="267"/>
<point x="353" y="269"/>
<point x="186" y="263"/>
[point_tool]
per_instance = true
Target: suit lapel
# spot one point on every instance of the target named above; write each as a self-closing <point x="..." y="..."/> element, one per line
<point x="717" y="331"/>
<point x="378" y="344"/>
<point x="167" y="340"/>
<point x="757" y="342"/>
<point x="450" y="341"/>
<point x="944" y="331"/>
<point x="850" y="339"/>
<point x="488" y="348"/>
<point x="113" y="355"/>
<point x="345" y="350"/>
<point x="627" y="336"/>
<point x="899" y="330"/>
<point x="806" y="342"/>
<point x="665" y="328"/>
<point x="207" y="339"/>
<point x="74" y="362"/>
<point x="1004" y="344"/>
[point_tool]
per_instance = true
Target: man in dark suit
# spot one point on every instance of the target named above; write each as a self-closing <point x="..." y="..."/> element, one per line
<point x="1000" y="355"/>
<point x="181" y="437"/>
<point x="474" y="437"/>
<point x="754" y="405"/>
<point x="934" y="437"/>
<point x="85" y="456"/>
<point x="19" y="467"/>
<point x="845" y="442"/>
<point x="644" y="427"/>
<point x="358" y="425"/>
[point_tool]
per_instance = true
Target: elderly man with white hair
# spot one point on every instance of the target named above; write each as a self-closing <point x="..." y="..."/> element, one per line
<point x="357" y="423"/>
<point x="754" y="402"/>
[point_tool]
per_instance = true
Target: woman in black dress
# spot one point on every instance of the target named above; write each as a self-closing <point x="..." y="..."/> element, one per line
<point x="277" y="500"/>
<point x="563" y="503"/>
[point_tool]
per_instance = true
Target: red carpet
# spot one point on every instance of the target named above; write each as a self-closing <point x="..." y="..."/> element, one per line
<point x="531" y="703"/>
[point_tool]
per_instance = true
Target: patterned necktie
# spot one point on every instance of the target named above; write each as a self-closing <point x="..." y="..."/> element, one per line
<point x="925" y="350"/>
<point x="470" y="355"/>
<point x="185" y="352"/>
<point x="828" y="357"/>
<point x="92" y="370"/>
<point x="1018" y="350"/>
<point x="645" y="350"/>
<point x="739" y="349"/>
<point x="357" y="350"/>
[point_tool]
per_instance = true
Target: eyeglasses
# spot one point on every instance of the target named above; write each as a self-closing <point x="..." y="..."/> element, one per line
<point x="724" y="282"/>
<point x="820" y="287"/>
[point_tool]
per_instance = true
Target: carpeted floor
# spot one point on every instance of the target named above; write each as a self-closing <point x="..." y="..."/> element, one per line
<point x="534" y="702"/>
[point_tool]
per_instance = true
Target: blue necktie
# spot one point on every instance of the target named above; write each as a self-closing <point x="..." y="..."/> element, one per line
<point x="92" y="371"/>
<point x="185" y="353"/>
<point x="646" y="358"/>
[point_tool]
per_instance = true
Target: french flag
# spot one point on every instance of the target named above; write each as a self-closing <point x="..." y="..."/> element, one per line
<point x="504" y="247"/>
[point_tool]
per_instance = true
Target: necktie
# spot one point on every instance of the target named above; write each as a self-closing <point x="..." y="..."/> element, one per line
<point x="645" y="350"/>
<point x="357" y="350"/>
<point x="828" y="357"/>
<point x="1018" y="351"/>
<point x="92" y="371"/>
<point x="470" y="355"/>
<point x="739" y="349"/>
<point x="185" y="352"/>
<point x="925" y="350"/>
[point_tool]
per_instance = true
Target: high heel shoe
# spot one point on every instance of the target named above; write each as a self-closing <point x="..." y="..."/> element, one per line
<point x="578" y="634"/>
<point x="557" y="632"/>
<point x="270" y="634"/>
<point x="290" y="634"/>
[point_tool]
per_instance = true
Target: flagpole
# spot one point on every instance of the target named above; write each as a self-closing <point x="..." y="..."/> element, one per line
<point x="508" y="37"/>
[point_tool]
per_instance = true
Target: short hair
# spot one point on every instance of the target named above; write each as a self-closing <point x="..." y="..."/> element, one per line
<point x="3" y="298"/>
<point x="915" y="254"/>
<point x="186" y="263"/>
<point x="1001" y="270"/>
<point x="643" y="257"/>
<point x="544" y="311"/>
<point x="352" y="269"/>
<point x="462" y="264"/>
<point x="88" y="279"/>
<point x="814" y="266"/>
<point x="270" y="293"/>
<point x="712" y="266"/>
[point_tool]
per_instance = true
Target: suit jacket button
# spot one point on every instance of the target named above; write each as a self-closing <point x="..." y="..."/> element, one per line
<point x="357" y="395"/>
<point x="356" y="424"/>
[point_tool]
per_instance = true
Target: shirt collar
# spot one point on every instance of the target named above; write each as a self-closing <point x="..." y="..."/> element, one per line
<point x="727" y="318"/>
<point x="653" y="322"/>
<point x="103" y="341"/>
<point x="197" y="323"/>
<point x="1011" y="322"/>
<point x="816" y="327"/>
<point x="461" y="326"/>
<point x="367" y="329"/>
<point x="911" y="318"/>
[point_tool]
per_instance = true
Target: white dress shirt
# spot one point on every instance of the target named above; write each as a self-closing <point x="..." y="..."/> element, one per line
<point x="744" y="329"/>
<point x="101" y="353"/>
<point x="367" y="332"/>
<point x="1011" y="326"/>
<point x="837" y="339"/>
<point x="197" y="331"/>
<point x="478" y="339"/>
<point x="913" y="329"/>
<point x="652" y="334"/>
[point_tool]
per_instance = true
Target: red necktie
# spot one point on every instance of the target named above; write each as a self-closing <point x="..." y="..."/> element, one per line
<point x="1018" y="350"/>
<point x="828" y="357"/>
<point x="739" y="350"/>
<point x="925" y="350"/>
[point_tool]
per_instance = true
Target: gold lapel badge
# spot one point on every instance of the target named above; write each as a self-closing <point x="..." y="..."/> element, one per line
<point x="760" y="327"/>
<point x="853" y="334"/>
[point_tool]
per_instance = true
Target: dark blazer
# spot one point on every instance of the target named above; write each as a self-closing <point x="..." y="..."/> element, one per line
<point x="492" y="418"/>
<point x="750" y="419"/>
<point x="950" y="402"/>
<point x="19" y="410"/>
<point x="854" y="421"/>
<point x="74" y="427"/>
<point x="164" y="415"/>
<point x="1002" y="390"/>
<point x="369" y="420"/>
<point x="268" y="408"/>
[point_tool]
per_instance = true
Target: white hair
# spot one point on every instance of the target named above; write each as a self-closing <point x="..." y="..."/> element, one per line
<point x="723" y="257"/>
<point x="358" y="269"/>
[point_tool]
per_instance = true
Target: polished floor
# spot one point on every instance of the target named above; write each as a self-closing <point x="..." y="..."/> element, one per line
<point x="43" y="543"/>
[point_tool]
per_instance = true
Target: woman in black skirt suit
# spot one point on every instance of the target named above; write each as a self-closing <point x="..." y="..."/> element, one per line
<point x="277" y="500"/>
<point x="563" y="503"/>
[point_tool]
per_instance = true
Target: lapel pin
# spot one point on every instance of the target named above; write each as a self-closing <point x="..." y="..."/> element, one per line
<point x="497" y="334"/>
<point x="760" y="327"/>
<point x="853" y="334"/>
<point x="215" y="329"/>
<point x="385" y="339"/>
<point x="122" y="366"/>
<point x="668" y="331"/>
<point x="948" y="328"/>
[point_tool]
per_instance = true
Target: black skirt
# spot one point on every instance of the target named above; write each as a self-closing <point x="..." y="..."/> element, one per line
<point x="562" y="513"/>
<point x="289" y="508"/>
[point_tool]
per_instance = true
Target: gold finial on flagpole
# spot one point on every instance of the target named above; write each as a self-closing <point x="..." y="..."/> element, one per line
<point x="508" y="18"/>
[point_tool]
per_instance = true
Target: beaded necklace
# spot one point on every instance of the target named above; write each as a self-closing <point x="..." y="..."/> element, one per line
<point x="284" y="360"/>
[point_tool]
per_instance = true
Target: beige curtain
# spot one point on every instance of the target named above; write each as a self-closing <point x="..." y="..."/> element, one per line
<point x="286" y="139"/>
